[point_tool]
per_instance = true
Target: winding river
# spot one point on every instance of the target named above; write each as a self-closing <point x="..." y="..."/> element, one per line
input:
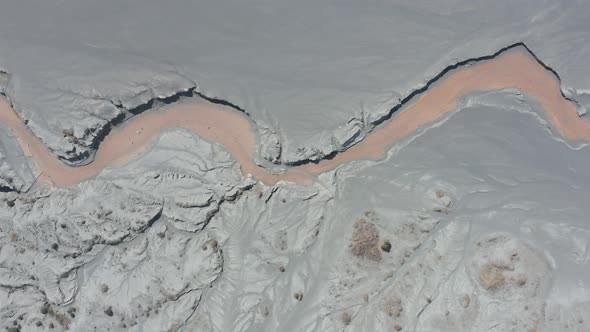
<point x="515" y="68"/>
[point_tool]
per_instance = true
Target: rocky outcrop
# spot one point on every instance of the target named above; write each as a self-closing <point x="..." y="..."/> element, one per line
<point x="107" y="253"/>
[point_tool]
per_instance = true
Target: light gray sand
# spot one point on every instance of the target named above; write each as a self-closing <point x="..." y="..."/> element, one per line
<point x="474" y="222"/>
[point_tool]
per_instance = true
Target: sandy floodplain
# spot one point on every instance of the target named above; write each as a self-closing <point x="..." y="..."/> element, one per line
<point x="515" y="68"/>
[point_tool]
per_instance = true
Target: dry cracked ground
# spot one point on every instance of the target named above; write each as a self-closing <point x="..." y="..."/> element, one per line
<point x="475" y="222"/>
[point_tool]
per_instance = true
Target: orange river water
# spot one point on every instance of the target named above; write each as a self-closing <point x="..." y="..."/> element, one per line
<point x="512" y="69"/>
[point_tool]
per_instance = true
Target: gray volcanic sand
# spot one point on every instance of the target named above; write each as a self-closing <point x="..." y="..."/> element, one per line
<point x="484" y="214"/>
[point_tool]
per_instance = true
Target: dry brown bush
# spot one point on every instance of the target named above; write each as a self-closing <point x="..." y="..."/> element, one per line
<point x="492" y="276"/>
<point x="365" y="240"/>
<point x="393" y="307"/>
<point x="346" y="318"/>
<point x="60" y="317"/>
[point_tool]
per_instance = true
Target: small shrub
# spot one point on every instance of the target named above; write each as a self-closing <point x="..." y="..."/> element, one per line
<point x="298" y="296"/>
<point x="386" y="246"/>
<point x="104" y="288"/>
<point x="346" y="318"/>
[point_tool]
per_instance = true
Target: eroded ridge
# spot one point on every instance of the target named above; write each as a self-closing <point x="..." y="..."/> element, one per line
<point x="514" y="68"/>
